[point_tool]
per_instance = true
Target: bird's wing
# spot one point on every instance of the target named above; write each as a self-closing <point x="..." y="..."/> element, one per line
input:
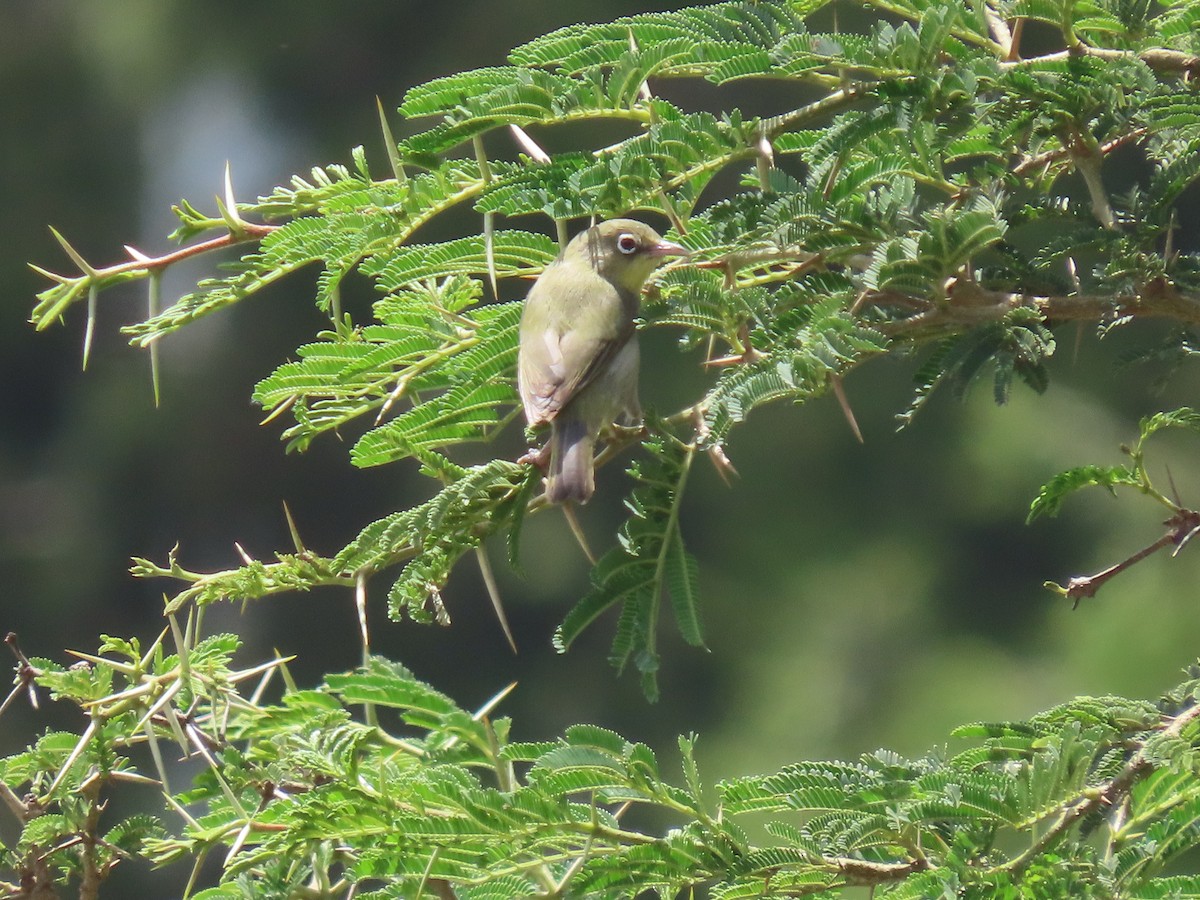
<point x="569" y="365"/>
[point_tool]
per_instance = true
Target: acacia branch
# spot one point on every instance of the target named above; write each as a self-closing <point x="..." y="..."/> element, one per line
<point x="834" y="102"/>
<point x="1160" y="59"/>
<point x="139" y="265"/>
<point x="969" y="305"/>
<point x="248" y="232"/>
<point x="290" y="573"/>
<point x="1105" y="796"/>
<point x="1082" y="586"/>
<point x="1181" y="527"/>
<point x="867" y="873"/>
<point x="1044" y="160"/>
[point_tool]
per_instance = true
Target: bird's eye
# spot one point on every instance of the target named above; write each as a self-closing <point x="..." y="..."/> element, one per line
<point x="627" y="243"/>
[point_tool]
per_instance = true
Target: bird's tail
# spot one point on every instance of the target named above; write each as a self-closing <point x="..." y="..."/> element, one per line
<point x="571" y="474"/>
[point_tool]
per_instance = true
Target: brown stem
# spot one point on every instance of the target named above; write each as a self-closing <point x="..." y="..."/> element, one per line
<point x="140" y="263"/>
<point x="1180" y="528"/>
<point x="1082" y="586"/>
<point x="862" y="872"/>
<point x="1042" y="160"/>
<point x="970" y="305"/>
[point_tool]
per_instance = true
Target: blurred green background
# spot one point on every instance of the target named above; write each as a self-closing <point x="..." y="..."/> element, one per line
<point x="853" y="596"/>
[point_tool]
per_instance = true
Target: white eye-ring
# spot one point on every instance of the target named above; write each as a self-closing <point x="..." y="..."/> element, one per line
<point x="627" y="243"/>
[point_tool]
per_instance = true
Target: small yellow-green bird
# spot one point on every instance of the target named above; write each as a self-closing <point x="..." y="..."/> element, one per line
<point x="578" y="364"/>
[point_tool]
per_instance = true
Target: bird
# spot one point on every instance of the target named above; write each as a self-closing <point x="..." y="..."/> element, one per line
<point x="577" y="366"/>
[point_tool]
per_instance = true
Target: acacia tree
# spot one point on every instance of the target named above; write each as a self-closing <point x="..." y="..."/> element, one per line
<point x="946" y="193"/>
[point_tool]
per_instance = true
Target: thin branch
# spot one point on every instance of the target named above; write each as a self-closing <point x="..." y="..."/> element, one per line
<point x="1158" y="58"/>
<point x="864" y="873"/>
<point x="1159" y="299"/>
<point x="1181" y="527"/>
<point x="142" y="263"/>
<point x="139" y="265"/>
<point x="1082" y="586"/>
<point x="1061" y="154"/>
<point x="835" y="102"/>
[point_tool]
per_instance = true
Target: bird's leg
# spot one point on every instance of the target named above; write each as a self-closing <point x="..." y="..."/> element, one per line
<point x="618" y="437"/>
<point x="536" y="456"/>
<point x="625" y="434"/>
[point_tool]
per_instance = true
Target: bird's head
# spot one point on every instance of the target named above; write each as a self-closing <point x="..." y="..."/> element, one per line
<point x="623" y="251"/>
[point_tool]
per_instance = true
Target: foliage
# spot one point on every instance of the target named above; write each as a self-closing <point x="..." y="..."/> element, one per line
<point x="941" y="194"/>
<point x="420" y="797"/>
<point x="1050" y="499"/>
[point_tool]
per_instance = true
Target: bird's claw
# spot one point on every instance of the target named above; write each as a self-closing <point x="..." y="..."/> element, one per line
<point x="536" y="456"/>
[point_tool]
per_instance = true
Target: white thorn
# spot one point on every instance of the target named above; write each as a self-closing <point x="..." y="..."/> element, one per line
<point x="528" y="144"/>
<point x="90" y="329"/>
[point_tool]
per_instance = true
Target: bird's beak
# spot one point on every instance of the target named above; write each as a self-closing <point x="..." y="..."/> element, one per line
<point x="667" y="248"/>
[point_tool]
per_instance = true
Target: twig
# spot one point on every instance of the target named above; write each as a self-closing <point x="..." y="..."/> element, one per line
<point x="1159" y="299"/>
<point x="1182" y="526"/>
<point x="1043" y="160"/>
<point x="139" y="264"/>
<point x="835" y="102"/>
<point x="863" y="872"/>
<point x="1158" y="58"/>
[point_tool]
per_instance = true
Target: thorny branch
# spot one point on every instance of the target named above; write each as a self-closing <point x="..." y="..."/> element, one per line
<point x="139" y="265"/>
<point x="1180" y="529"/>
<point x="969" y="304"/>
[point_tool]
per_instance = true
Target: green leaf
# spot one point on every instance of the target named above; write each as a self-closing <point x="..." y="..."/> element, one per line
<point x="1177" y="418"/>
<point x="515" y="252"/>
<point x="577" y="48"/>
<point x="683" y="575"/>
<point x="1053" y="493"/>
<point x="635" y="575"/>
